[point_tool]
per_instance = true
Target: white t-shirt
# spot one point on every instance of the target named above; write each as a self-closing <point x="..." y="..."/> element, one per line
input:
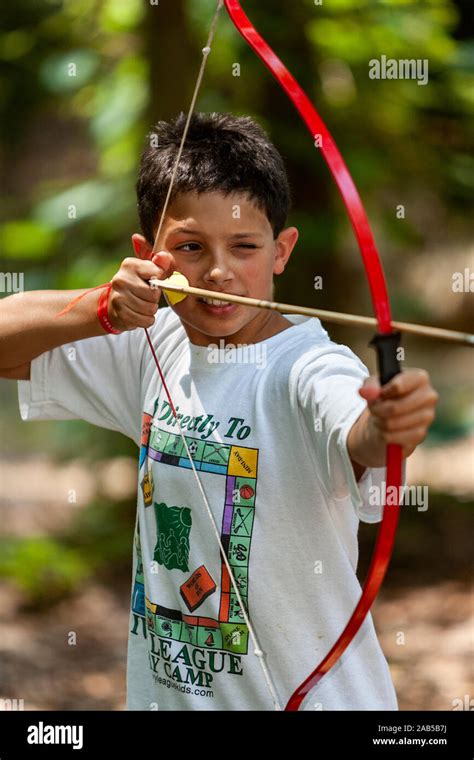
<point x="267" y="434"/>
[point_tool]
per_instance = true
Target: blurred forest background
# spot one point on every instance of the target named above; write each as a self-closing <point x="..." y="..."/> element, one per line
<point x="67" y="501"/>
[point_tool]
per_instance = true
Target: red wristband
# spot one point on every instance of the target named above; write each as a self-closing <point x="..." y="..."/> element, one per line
<point x="103" y="312"/>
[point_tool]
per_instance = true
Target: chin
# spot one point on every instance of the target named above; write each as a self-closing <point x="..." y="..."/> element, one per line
<point x="220" y="332"/>
<point x="218" y="329"/>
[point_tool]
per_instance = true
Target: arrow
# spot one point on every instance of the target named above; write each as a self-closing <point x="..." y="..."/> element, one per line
<point x="172" y="286"/>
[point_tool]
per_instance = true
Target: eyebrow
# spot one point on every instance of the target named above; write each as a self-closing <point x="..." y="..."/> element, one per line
<point x="185" y="230"/>
<point x="237" y="236"/>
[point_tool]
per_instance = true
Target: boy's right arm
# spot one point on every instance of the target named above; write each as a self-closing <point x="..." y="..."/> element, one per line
<point x="30" y="325"/>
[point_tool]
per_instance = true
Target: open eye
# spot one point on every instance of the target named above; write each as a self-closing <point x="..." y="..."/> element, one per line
<point x="190" y="247"/>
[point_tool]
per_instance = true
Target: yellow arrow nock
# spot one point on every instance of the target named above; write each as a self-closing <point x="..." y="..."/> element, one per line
<point x="179" y="280"/>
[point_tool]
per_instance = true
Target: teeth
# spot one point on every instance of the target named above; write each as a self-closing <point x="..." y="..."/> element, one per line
<point x="213" y="302"/>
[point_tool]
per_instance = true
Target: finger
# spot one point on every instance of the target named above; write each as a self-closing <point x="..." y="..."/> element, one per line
<point x="419" y="399"/>
<point x="371" y="389"/>
<point x="405" y="383"/>
<point x="133" y="319"/>
<point x="142" y="268"/>
<point x="138" y="290"/>
<point x="134" y="276"/>
<point x="406" y="422"/>
<point x="407" y="439"/>
<point x="132" y="297"/>
<point x="165" y="262"/>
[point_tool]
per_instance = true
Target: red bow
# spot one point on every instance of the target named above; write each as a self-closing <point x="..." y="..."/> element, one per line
<point x="385" y="342"/>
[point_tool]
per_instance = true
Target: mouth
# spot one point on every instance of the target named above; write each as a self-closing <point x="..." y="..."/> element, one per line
<point x="214" y="302"/>
<point x="213" y="306"/>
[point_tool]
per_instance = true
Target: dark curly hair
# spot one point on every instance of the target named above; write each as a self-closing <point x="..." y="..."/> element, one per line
<point x="222" y="153"/>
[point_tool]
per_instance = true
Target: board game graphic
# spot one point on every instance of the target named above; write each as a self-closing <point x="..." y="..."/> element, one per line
<point x="238" y="465"/>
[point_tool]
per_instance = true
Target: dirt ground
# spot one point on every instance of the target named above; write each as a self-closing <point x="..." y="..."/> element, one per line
<point x="37" y="664"/>
<point x="424" y="615"/>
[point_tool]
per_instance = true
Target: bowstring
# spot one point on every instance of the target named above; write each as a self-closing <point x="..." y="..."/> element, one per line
<point x="258" y="652"/>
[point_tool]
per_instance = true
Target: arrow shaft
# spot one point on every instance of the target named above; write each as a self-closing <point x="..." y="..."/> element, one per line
<point x="326" y="316"/>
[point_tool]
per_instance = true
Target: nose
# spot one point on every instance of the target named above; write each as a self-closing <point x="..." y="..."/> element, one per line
<point x="219" y="271"/>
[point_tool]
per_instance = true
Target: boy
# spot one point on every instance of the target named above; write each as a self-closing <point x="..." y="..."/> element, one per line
<point x="285" y="453"/>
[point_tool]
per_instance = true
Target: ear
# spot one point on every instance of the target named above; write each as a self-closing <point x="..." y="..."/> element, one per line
<point x="141" y="246"/>
<point x="284" y="245"/>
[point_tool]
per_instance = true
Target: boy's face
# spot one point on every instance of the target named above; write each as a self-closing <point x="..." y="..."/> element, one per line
<point x="223" y="244"/>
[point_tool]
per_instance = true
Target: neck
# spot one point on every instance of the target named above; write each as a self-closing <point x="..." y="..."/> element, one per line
<point x="265" y="325"/>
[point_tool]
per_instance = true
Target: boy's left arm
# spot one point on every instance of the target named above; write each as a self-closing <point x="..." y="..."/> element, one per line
<point x="400" y="412"/>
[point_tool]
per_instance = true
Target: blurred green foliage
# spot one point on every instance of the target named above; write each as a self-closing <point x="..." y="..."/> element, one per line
<point x="97" y="545"/>
<point x="43" y="568"/>
<point x="75" y="91"/>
